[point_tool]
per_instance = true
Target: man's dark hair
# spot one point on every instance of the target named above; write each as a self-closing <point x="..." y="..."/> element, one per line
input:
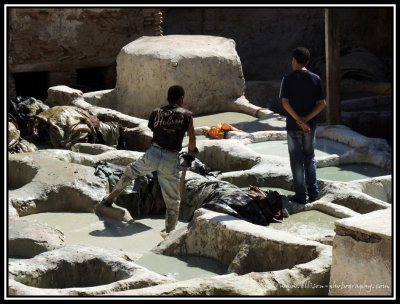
<point x="175" y="92"/>
<point x="302" y="55"/>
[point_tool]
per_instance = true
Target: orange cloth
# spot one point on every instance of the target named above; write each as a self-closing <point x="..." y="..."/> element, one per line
<point x="218" y="132"/>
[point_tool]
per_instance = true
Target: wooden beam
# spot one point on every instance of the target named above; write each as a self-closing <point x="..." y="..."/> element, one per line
<point x="332" y="52"/>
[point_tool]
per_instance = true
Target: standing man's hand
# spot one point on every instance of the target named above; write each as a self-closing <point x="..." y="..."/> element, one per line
<point x="304" y="126"/>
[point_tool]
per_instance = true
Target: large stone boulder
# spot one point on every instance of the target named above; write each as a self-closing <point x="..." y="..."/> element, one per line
<point x="208" y="67"/>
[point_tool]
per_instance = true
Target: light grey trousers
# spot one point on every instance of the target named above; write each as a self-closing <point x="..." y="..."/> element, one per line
<point x="166" y="164"/>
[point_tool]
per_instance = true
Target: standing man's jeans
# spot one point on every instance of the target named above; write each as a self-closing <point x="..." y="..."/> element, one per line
<point x="166" y="164"/>
<point x="303" y="164"/>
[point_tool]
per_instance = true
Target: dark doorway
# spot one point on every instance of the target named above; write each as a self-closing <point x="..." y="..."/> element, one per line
<point x="95" y="79"/>
<point x="31" y="84"/>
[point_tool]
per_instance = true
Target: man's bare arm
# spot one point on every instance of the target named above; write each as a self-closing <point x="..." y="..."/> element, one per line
<point x="300" y="121"/>
<point x="286" y="105"/>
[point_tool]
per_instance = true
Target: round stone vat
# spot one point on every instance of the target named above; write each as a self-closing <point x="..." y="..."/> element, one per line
<point x="19" y="174"/>
<point x="241" y="246"/>
<point x="67" y="274"/>
<point x="72" y="266"/>
<point x="79" y="270"/>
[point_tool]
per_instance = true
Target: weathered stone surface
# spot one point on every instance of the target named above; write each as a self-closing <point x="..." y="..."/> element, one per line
<point x="69" y="38"/>
<point x="350" y="197"/>
<point x="251" y="251"/>
<point x="331" y="209"/>
<point x="362" y="255"/>
<point x="377" y="223"/>
<point x="210" y="234"/>
<point x="53" y="185"/>
<point x="378" y="187"/>
<point x="232" y="154"/>
<point x="96" y="98"/>
<point x="62" y="95"/>
<point x="208" y="68"/>
<point x="223" y="237"/>
<point x="91" y="148"/>
<point x="27" y="239"/>
<point x="375" y="151"/>
<point x="79" y="271"/>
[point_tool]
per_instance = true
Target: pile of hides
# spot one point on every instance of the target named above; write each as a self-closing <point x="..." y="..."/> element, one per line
<point x="19" y="111"/>
<point x="63" y="126"/>
<point x="23" y="108"/>
<point x="59" y="126"/>
<point x="200" y="189"/>
<point x="16" y="144"/>
<point x="254" y="205"/>
<point x="143" y="196"/>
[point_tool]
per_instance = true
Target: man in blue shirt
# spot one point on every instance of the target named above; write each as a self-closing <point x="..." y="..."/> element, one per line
<point x="303" y="98"/>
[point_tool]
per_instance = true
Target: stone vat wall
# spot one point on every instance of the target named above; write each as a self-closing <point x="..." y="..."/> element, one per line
<point x="362" y="255"/>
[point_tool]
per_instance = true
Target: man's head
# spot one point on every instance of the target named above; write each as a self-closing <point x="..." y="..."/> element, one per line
<point x="301" y="56"/>
<point x="176" y="94"/>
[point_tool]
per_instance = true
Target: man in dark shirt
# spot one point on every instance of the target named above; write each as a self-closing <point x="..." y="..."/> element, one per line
<point x="303" y="98"/>
<point x="169" y="125"/>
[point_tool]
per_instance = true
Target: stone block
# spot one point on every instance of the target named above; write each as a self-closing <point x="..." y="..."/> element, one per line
<point x="208" y="68"/>
<point x="362" y="255"/>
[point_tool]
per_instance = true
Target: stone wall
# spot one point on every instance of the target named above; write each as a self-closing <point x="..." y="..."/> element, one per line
<point x="62" y="40"/>
<point x="265" y="36"/>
